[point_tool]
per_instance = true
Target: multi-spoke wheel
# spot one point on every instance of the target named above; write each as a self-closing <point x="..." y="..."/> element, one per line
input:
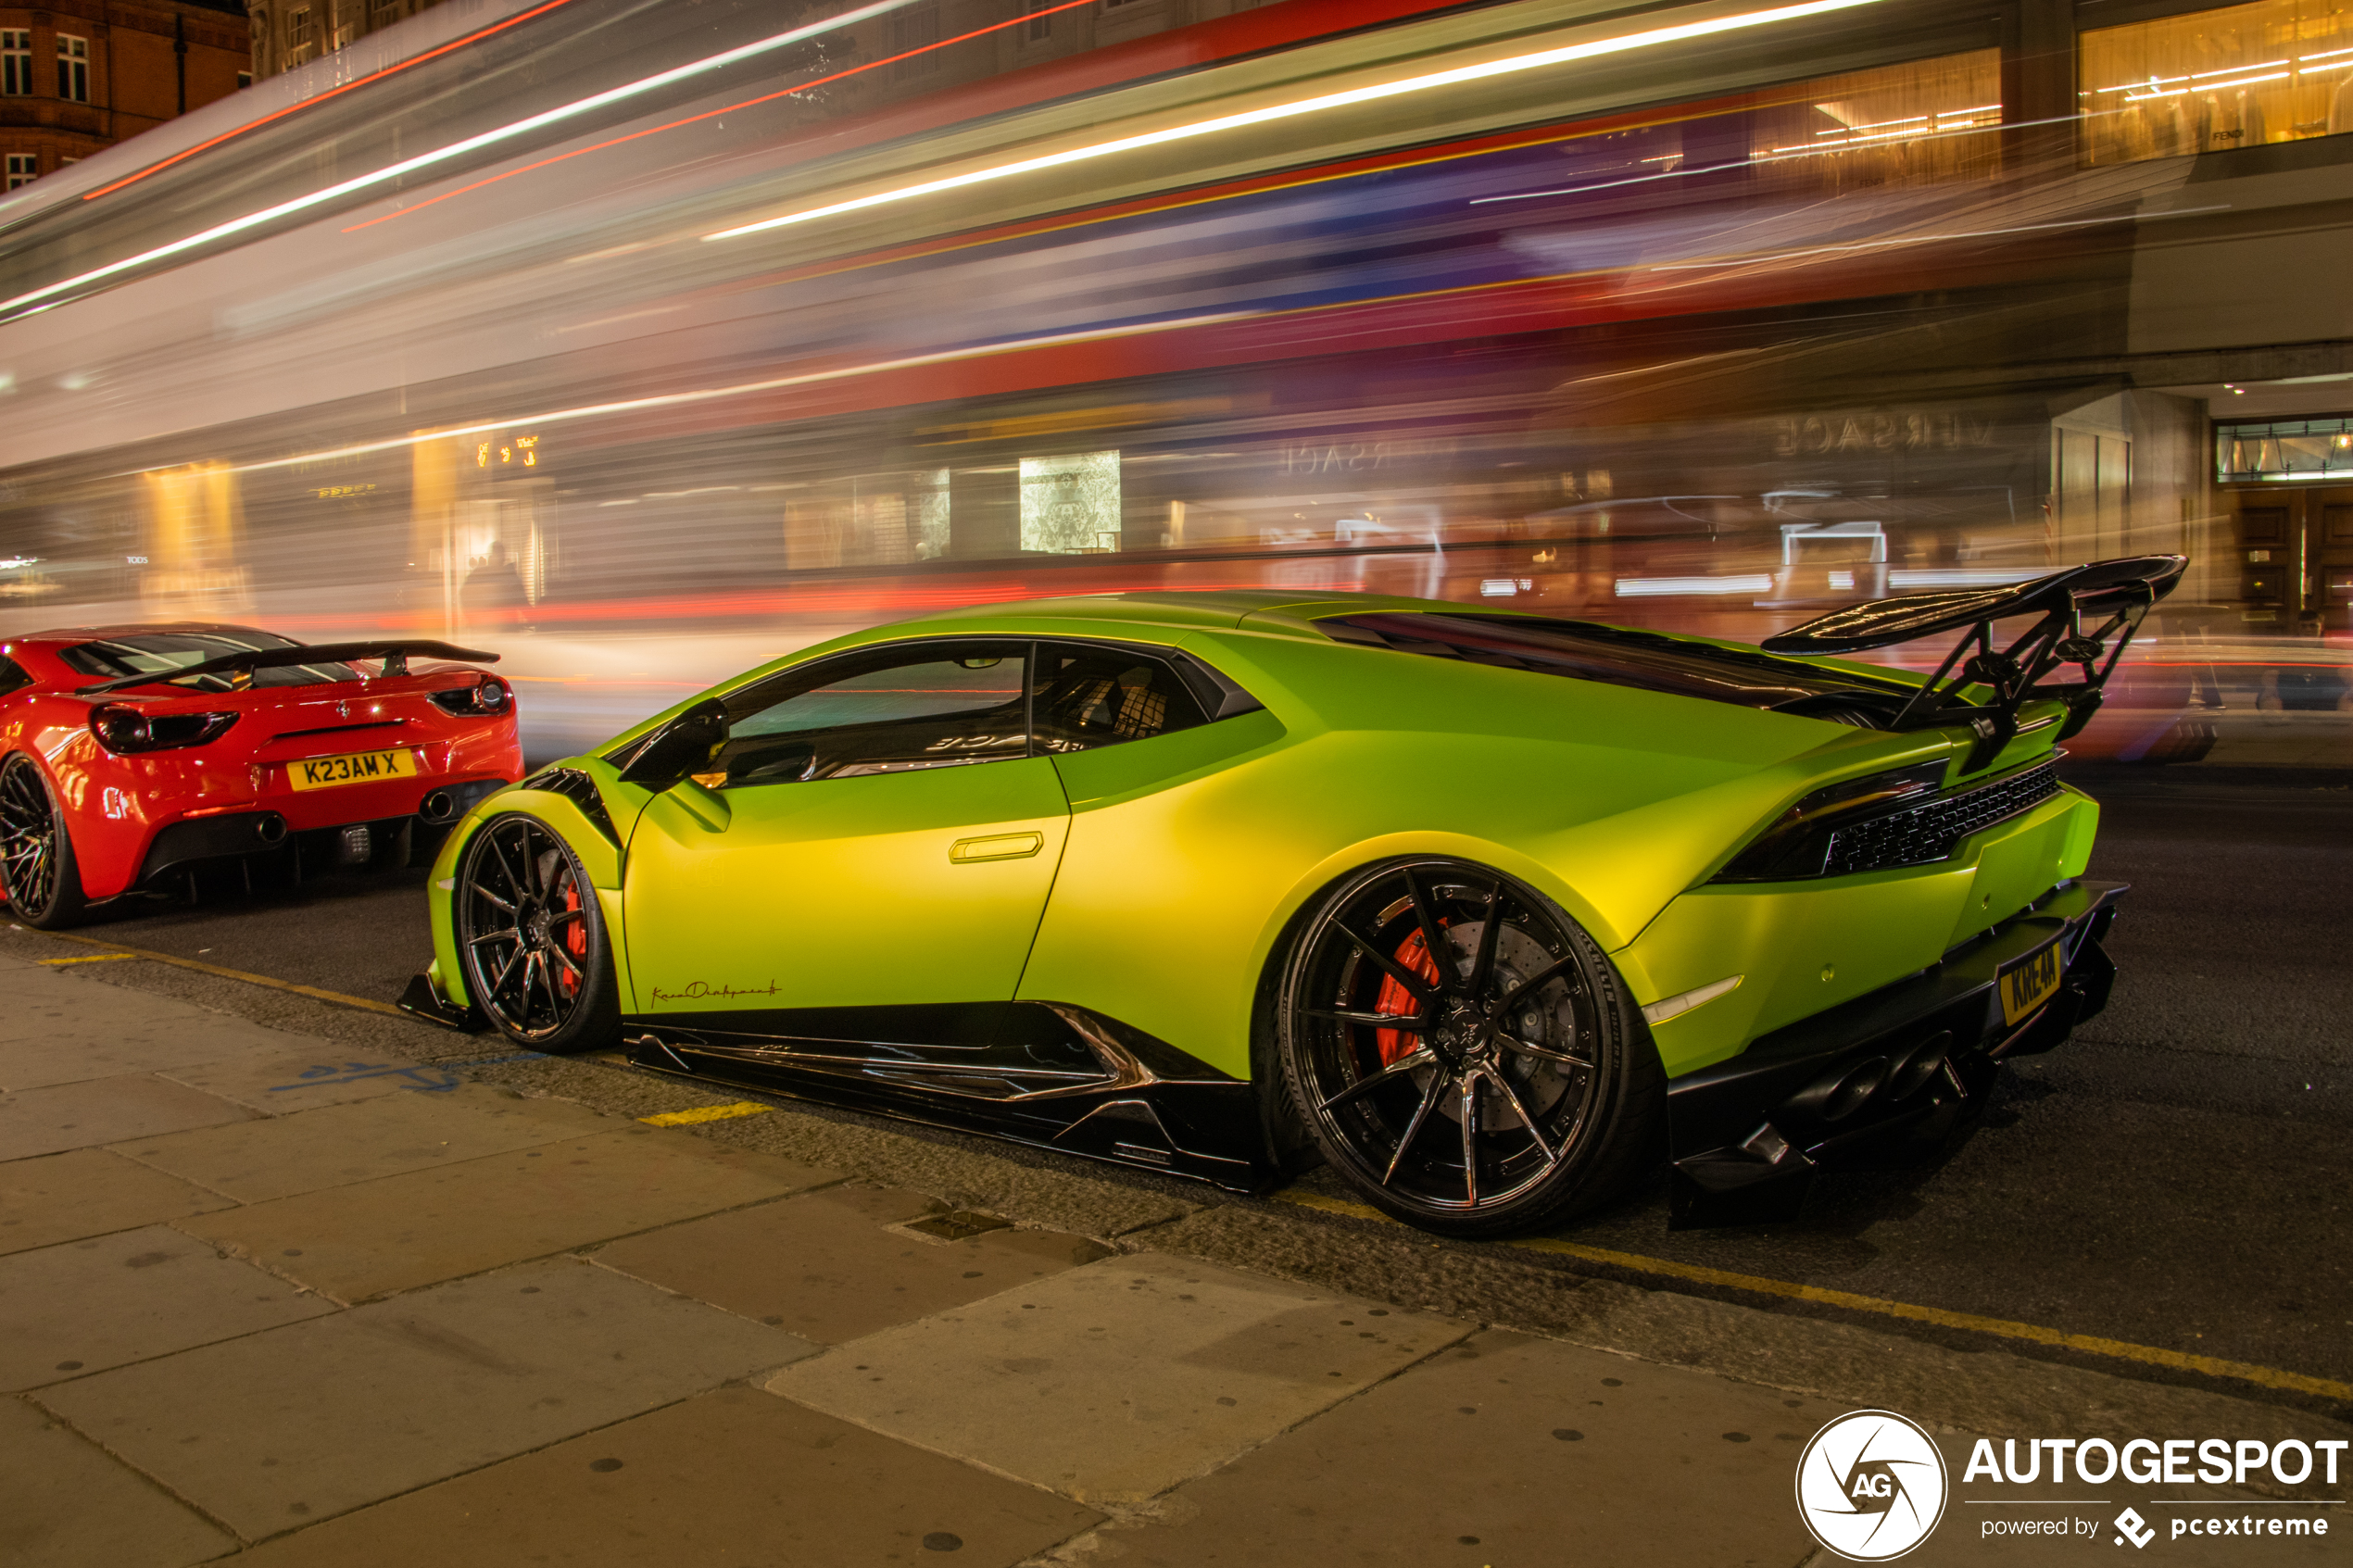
<point x="36" y="853"/>
<point x="532" y="939"/>
<point x="1463" y="1052"/>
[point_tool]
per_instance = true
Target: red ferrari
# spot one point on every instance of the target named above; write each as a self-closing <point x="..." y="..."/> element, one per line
<point x="132" y="755"/>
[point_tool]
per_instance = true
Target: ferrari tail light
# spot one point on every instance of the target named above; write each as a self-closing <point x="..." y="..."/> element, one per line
<point x="1797" y="844"/>
<point x="485" y="696"/>
<point x="121" y="729"/>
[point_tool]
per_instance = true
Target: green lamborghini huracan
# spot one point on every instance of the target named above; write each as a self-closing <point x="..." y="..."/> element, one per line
<point x="1493" y="912"/>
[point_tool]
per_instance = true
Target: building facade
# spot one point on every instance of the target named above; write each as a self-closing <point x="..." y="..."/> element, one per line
<point x="80" y="75"/>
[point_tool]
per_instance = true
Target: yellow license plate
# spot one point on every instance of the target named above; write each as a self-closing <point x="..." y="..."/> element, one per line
<point x="2030" y="982"/>
<point x="358" y="767"/>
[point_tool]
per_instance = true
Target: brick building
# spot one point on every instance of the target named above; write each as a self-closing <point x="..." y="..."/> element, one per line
<point x="288" y="33"/>
<point x="80" y="75"/>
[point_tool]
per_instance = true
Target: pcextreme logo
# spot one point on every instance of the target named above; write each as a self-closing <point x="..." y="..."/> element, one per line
<point x="1870" y="1486"/>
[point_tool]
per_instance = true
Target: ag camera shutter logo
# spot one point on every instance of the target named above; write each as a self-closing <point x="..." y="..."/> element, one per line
<point x="1871" y="1485"/>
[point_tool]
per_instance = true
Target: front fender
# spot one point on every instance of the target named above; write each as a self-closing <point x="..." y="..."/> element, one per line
<point x="599" y="857"/>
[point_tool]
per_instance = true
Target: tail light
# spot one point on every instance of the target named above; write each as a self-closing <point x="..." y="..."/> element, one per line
<point x="485" y="696"/>
<point x="120" y="729"/>
<point x="1798" y="843"/>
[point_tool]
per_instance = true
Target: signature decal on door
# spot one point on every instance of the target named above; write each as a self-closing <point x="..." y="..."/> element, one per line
<point x="703" y="990"/>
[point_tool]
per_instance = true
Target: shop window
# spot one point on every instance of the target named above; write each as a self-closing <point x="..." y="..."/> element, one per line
<point x="2278" y="70"/>
<point x="23" y="169"/>
<point x="1922" y="122"/>
<point x="2284" y="450"/>
<point x="73" y="68"/>
<point x="1070" y="505"/>
<point x="15" y="62"/>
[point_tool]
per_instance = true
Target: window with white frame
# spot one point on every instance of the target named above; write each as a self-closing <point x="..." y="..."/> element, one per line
<point x="15" y="62"/>
<point x="23" y="169"/>
<point x="1039" y="28"/>
<point x="73" y="68"/>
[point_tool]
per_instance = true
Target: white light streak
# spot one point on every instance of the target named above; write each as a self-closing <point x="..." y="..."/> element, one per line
<point x="1652" y="587"/>
<point x="455" y="150"/>
<point x="1273" y="112"/>
<point x="777" y="383"/>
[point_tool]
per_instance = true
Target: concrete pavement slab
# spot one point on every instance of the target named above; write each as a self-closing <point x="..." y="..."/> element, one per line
<point x="371" y="1238"/>
<point x="89" y="1192"/>
<point x="344" y="1411"/>
<point x="103" y="1111"/>
<point x="730" y="1477"/>
<point x="277" y="1083"/>
<point x="58" y="1028"/>
<point x="85" y="1306"/>
<point x="334" y="1146"/>
<point x="1116" y="1381"/>
<point x="825" y="1266"/>
<point x="1505" y="1450"/>
<point x="65" y="1504"/>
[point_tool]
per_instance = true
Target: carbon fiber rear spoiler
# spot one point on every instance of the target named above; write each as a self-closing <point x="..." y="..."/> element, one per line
<point x="239" y="667"/>
<point x="2123" y="590"/>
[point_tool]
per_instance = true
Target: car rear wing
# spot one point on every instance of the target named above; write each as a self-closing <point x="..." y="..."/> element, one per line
<point x="2121" y="591"/>
<point x="239" y="667"/>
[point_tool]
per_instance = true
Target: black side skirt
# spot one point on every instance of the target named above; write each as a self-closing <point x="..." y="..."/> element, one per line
<point x="1040" y="1073"/>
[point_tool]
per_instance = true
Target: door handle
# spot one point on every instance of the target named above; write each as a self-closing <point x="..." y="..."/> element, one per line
<point x="996" y="846"/>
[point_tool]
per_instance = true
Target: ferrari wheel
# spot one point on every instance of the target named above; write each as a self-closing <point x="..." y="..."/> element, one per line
<point x="532" y="939"/>
<point x="1463" y="1052"/>
<point x="36" y="853"/>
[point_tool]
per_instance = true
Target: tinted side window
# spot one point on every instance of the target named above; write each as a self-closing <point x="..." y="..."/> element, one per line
<point x="889" y="710"/>
<point x="13" y="677"/>
<point x="1084" y="696"/>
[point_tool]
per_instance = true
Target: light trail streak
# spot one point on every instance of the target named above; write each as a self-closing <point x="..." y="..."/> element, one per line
<point x="745" y="389"/>
<point x="230" y="135"/>
<point x="714" y="114"/>
<point x="1273" y="113"/>
<point x="457" y="149"/>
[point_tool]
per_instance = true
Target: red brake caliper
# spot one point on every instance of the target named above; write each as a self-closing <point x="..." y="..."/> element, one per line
<point x="1398" y="1002"/>
<point x="576" y="937"/>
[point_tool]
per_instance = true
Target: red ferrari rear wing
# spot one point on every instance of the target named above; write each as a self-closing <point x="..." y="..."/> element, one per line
<point x="239" y="667"/>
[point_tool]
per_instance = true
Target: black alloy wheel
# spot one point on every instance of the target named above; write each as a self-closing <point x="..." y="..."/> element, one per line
<point x="532" y="939"/>
<point x="36" y="853"/>
<point x="1463" y="1053"/>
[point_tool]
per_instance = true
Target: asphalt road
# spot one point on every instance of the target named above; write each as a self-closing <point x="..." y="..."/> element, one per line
<point x="2177" y="1176"/>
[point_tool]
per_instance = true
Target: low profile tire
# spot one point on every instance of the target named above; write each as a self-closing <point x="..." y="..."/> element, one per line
<point x="531" y="938"/>
<point x="1505" y="1085"/>
<point x="36" y="852"/>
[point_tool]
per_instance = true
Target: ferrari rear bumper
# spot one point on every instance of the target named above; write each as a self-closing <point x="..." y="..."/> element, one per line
<point x="232" y="835"/>
<point x="1747" y="1135"/>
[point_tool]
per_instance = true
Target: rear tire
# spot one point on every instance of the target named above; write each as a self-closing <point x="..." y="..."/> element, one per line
<point x="1511" y="1087"/>
<point x="36" y="851"/>
<point x="532" y="945"/>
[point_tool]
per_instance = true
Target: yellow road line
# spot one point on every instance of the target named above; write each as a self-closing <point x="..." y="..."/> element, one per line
<point x="705" y="1113"/>
<point x="95" y="957"/>
<point x="2211" y="1366"/>
<point x="177" y="962"/>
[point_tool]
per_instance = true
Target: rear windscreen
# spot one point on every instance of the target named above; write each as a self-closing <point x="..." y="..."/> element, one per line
<point x="160" y="653"/>
<point x="1587" y="651"/>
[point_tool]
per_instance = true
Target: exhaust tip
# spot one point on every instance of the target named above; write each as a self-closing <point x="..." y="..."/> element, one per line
<point x="439" y="808"/>
<point x="270" y="829"/>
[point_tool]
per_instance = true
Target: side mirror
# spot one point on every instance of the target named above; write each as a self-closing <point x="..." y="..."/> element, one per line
<point x="685" y="745"/>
